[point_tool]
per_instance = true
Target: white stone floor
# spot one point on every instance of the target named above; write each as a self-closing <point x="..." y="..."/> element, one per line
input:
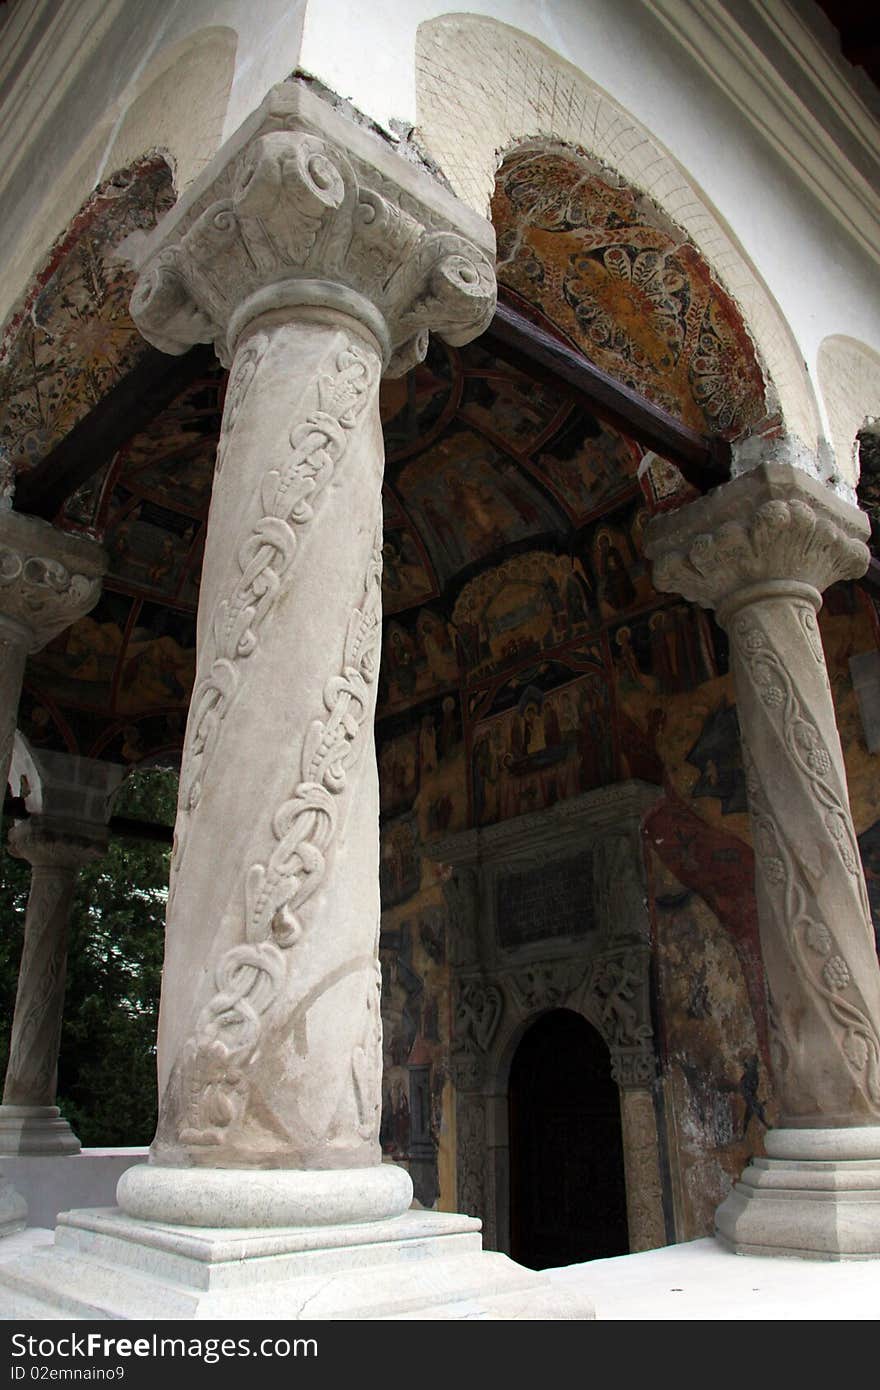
<point x="700" y="1280"/>
<point x="694" y="1282"/>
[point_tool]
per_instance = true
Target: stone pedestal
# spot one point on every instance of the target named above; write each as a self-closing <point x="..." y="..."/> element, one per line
<point x="760" y="550"/>
<point x="316" y="260"/>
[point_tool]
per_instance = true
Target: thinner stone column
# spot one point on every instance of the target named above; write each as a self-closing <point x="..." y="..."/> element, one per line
<point x="68" y="799"/>
<point x="30" y="1122"/>
<point x="47" y="580"/>
<point x="760" y="550"/>
<point x="316" y="260"/>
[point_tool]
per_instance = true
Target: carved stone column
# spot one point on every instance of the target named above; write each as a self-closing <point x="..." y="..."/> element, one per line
<point x="69" y="801"/>
<point x="317" y="259"/>
<point x="30" y="1122"/>
<point x="48" y="579"/>
<point x="315" y="266"/>
<point x="760" y="550"/>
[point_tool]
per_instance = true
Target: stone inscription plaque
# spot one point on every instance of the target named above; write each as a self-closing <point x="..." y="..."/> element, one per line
<point x="550" y="901"/>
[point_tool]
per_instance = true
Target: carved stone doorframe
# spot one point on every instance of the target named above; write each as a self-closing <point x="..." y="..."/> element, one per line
<point x="579" y="863"/>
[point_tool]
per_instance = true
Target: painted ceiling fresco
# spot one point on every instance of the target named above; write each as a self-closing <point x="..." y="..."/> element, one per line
<point x="72" y="338"/>
<point x="514" y="580"/>
<point x="627" y="288"/>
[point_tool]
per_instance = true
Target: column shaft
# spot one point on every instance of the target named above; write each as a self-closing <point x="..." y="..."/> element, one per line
<point x="816" y="937"/>
<point x="32" y="1070"/>
<point x="13" y="655"/>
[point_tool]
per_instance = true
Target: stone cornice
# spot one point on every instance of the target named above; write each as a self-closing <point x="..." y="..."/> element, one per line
<point x="618" y="808"/>
<point x="304" y="207"/>
<point x="48" y="579"/>
<point x="780" y="76"/>
<point x="774" y="524"/>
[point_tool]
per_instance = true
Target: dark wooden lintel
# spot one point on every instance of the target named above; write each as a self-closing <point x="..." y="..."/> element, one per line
<point x="128" y="407"/>
<point x="703" y="461"/>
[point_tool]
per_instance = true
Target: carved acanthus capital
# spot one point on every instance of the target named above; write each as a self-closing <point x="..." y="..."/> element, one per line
<point x="48" y="579"/>
<point x="304" y="207"/>
<point x="773" y="524"/>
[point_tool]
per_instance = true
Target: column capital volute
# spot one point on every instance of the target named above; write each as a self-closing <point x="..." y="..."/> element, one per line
<point x="305" y="207"/>
<point x="770" y="530"/>
<point x="52" y="843"/>
<point x="48" y="579"/>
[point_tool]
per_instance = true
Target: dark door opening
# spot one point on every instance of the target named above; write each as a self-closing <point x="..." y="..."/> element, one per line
<point x="567" y="1187"/>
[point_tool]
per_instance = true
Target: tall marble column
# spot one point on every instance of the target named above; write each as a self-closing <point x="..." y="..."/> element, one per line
<point x="316" y="260"/>
<point x="760" y="550"/>
<point x="69" y="798"/>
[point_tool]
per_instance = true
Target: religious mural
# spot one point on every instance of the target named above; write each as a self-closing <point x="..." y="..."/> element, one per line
<point x="627" y="287"/>
<point x="72" y="338"/>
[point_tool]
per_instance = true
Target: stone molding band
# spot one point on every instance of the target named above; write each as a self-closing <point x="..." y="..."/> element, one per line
<point x="233" y="1197"/>
<point x="783" y="589"/>
<point x="310" y="294"/>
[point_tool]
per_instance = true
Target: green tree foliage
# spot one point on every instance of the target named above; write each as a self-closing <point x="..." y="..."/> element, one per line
<point x="107" y="1065"/>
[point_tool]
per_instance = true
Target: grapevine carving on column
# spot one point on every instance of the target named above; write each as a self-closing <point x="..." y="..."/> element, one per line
<point x="760" y="550"/>
<point x="250" y="978"/>
<point x="316" y="260"/>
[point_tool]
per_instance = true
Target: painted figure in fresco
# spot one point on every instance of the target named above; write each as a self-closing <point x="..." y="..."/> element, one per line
<point x="634" y="674"/>
<point x="718" y="756"/>
<point x="438" y="646"/>
<point x="576" y="597"/>
<point x="427" y="745"/>
<point x="402" y="663"/>
<point x="615" y="585"/>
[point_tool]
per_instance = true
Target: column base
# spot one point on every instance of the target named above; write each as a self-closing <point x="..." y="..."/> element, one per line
<point x="13" y="1209"/>
<point x="35" y="1129"/>
<point x="816" y="1196"/>
<point x="421" y="1265"/>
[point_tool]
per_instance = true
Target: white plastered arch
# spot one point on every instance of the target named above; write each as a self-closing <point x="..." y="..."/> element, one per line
<point x="849" y="380"/>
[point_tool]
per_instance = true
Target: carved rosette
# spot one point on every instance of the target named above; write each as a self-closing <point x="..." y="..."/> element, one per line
<point x="779" y="539"/>
<point x="297" y="218"/>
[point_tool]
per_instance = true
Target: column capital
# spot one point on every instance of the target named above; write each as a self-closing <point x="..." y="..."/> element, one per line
<point x="774" y="525"/>
<point x="304" y="207"/>
<point x="48" y="579"/>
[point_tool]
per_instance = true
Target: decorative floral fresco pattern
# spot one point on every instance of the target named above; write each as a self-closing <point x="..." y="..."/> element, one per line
<point x="72" y="338"/>
<point x="627" y="287"/>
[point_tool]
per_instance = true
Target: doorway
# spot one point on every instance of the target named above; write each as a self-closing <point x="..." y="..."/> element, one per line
<point x="567" y="1187"/>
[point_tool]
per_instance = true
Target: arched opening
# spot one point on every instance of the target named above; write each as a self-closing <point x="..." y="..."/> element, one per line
<point x="567" y="1187"/>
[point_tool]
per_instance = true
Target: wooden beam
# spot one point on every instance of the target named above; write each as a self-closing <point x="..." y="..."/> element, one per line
<point x="128" y="407"/>
<point x="703" y="461"/>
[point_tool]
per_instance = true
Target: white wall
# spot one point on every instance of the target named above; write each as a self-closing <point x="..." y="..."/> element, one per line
<point x="95" y="109"/>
